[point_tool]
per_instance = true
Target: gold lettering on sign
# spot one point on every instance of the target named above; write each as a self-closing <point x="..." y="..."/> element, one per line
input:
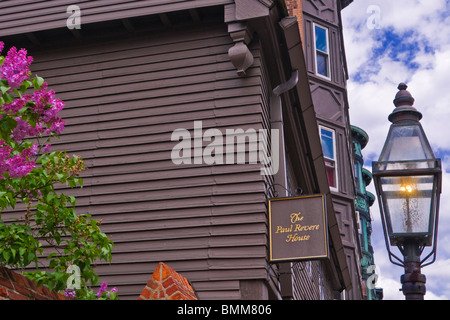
<point x="281" y="229"/>
<point x="297" y="228"/>
<point x="296" y="216"/>
<point x="294" y="229"/>
<point x="295" y="237"/>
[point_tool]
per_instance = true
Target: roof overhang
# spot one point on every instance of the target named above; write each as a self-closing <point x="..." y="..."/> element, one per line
<point x="281" y="41"/>
<point x="309" y="127"/>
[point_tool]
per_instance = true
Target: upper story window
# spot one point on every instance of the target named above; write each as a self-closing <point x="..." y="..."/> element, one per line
<point x="328" y="140"/>
<point x="322" y="49"/>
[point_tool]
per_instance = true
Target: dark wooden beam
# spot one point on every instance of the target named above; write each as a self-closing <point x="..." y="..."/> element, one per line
<point x="77" y="34"/>
<point x="195" y="15"/>
<point x="128" y="25"/>
<point x="165" y="20"/>
<point x="33" y="38"/>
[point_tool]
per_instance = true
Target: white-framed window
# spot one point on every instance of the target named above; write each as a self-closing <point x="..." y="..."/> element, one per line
<point x="328" y="141"/>
<point x="322" y="51"/>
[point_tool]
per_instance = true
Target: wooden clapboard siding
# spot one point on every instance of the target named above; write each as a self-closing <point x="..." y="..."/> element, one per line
<point x="123" y="101"/>
<point x="24" y="16"/>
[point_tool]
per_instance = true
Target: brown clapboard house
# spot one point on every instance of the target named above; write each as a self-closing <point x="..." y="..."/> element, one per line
<point x="133" y="73"/>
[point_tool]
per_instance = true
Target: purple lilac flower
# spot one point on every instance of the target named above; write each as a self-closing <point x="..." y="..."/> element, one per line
<point x="48" y="108"/>
<point x="46" y="148"/>
<point x="112" y="290"/>
<point x="70" y="293"/>
<point x="102" y="289"/>
<point x="57" y="126"/>
<point x="24" y="129"/>
<point x="30" y="152"/>
<point x="5" y="150"/>
<point x="16" y="105"/>
<point x="15" y="67"/>
<point x="19" y="166"/>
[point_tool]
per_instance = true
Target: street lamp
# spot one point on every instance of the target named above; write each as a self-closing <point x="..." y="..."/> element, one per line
<point x="407" y="178"/>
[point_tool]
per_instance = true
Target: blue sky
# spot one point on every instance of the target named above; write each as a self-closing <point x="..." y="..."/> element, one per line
<point x="388" y="42"/>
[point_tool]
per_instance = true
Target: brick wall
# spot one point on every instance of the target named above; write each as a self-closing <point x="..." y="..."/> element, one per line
<point x="14" y="286"/>
<point x="295" y="8"/>
<point x="166" y="284"/>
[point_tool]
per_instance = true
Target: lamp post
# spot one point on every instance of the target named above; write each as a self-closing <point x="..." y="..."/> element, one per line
<point x="407" y="178"/>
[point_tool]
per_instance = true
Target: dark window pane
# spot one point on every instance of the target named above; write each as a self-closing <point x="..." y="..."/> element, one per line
<point x="331" y="173"/>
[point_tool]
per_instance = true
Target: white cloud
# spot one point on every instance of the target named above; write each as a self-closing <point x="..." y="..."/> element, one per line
<point x="416" y="39"/>
<point x="433" y="97"/>
<point x="391" y="289"/>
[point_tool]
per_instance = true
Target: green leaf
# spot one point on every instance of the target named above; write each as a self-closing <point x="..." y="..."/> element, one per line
<point x="4" y="89"/>
<point x="50" y="197"/>
<point x="22" y="251"/>
<point x="6" y="255"/>
<point x="25" y="85"/>
<point x="31" y="256"/>
<point x="37" y="82"/>
<point x="7" y="97"/>
<point x="7" y="124"/>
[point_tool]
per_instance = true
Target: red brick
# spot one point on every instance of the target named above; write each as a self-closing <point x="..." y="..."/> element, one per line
<point x="152" y="284"/>
<point x="4" y="273"/>
<point x="168" y="282"/>
<point x="31" y="284"/>
<point x="19" y="279"/>
<point x="157" y="273"/>
<point x="3" y="292"/>
<point x="43" y="290"/>
<point x="177" y="296"/>
<point x="189" y="295"/>
<point x="14" y="286"/>
<point x="23" y="290"/>
<point x="172" y="289"/>
<point x="38" y="296"/>
<point x="166" y="271"/>
<point x="15" y="296"/>
<point x="60" y="296"/>
<point x="146" y="293"/>
<point x="6" y="283"/>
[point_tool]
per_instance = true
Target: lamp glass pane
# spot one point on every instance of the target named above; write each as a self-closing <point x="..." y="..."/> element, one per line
<point x="406" y="143"/>
<point x="407" y="203"/>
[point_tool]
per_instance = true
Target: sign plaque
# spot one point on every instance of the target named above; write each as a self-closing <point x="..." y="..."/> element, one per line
<point x="298" y="228"/>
